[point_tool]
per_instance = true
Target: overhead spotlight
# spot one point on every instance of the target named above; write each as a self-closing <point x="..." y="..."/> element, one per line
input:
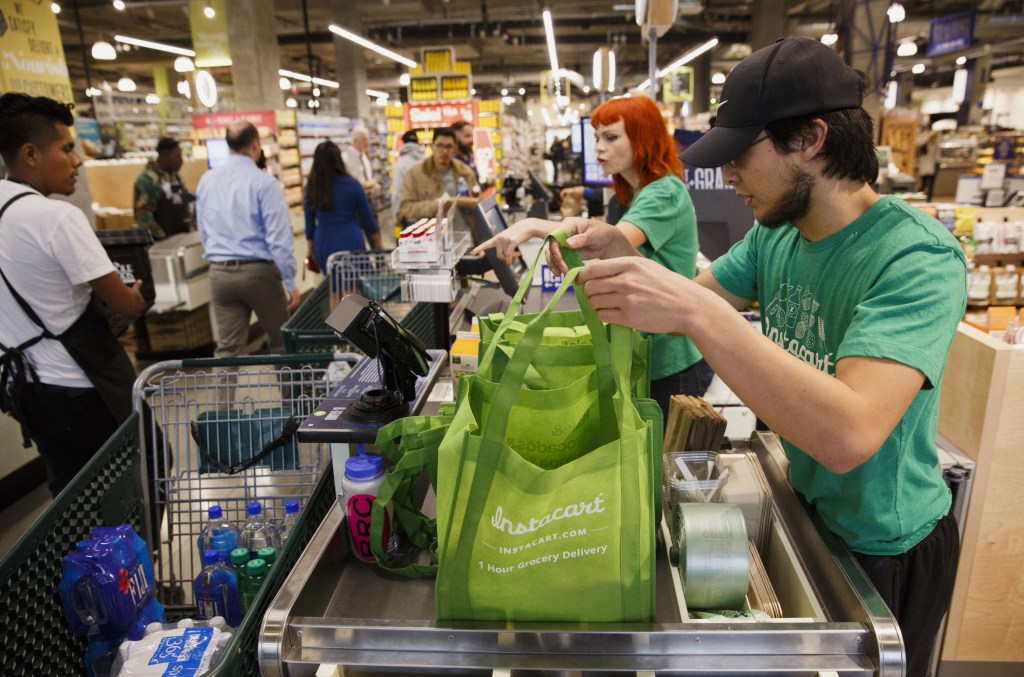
<point x="92" y="91"/>
<point x="316" y="91"/>
<point x="829" y="39"/>
<point x="896" y="13"/>
<point x="586" y="89"/>
<point x="907" y="48"/>
<point x="183" y="64"/>
<point x="55" y="7"/>
<point x="284" y="83"/>
<point x="103" y="51"/>
<point x="119" y="5"/>
<point x="404" y="79"/>
<point x="126" y="84"/>
<point x="152" y="99"/>
<point x="918" y="68"/>
<point x="184" y="89"/>
<point x="208" y="11"/>
<point x="472" y="92"/>
<point x="291" y="103"/>
<point x="718" y="78"/>
<point x="504" y="92"/>
<point x="529" y="113"/>
<point x="507" y="100"/>
<point x="961" y="60"/>
<point x="522" y="91"/>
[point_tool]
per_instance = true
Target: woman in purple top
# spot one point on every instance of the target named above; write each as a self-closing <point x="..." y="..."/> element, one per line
<point x="337" y="211"/>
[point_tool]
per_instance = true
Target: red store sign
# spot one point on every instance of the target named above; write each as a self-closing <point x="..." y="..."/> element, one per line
<point x="440" y="113"/>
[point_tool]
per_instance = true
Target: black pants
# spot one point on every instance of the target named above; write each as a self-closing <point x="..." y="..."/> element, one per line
<point x="69" y="425"/>
<point x="693" y="380"/>
<point x="917" y="587"/>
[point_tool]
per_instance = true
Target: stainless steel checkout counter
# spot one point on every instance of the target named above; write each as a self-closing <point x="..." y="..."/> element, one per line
<point x="334" y="610"/>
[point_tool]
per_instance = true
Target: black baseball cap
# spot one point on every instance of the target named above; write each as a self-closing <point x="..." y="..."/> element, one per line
<point x="410" y="137"/>
<point x="791" y="78"/>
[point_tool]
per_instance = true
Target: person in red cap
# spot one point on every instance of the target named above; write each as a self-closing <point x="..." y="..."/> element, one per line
<point x="860" y="299"/>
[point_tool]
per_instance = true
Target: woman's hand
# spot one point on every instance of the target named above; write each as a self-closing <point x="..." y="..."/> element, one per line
<point x="505" y="242"/>
<point x="592" y="239"/>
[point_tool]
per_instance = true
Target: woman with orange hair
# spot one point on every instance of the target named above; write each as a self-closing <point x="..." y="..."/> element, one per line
<point x="633" y="146"/>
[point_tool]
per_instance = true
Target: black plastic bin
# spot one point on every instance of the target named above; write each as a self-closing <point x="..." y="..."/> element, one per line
<point x="128" y="249"/>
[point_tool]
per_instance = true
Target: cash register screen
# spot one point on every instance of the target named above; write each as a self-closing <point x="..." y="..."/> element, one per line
<point x="488" y="221"/>
<point x="216" y="152"/>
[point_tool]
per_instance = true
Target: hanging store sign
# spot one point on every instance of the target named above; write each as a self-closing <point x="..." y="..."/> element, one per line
<point x="440" y="113"/>
<point x="264" y="120"/>
<point x="209" y="34"/>
<point x="31" y="52"/>
<point x="677" y="86"/>
<point x="953" y="33"/>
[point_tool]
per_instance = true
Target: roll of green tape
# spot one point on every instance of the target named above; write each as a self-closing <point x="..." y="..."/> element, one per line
<point x="712" y="554"/>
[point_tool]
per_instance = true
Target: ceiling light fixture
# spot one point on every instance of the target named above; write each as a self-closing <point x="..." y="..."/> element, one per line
<point x="119" y="5"/>
<point x="152" y="99"/>
<point x="103" y="51"/>
<point x="403" y="80"/>
<point x="291" y="103"/>
<point x="718" y="78"/>
<point x="688" y="57"/>
<point x="918" y="68"/>
<point x="611" y="71"/>
<point x="829" y="39"/>
<point x="159" y="46"/>
<point x="316" y="91"/>
<point x="960" y="85"/>
<point x="504" y="92"/>
<point x="549" y="31"/>
<point x="363" y="42"/>
<point x="305" y="78"/>
<point x="961" y="60"/>
<point x="906" y="48"/>
<point x="55" y="7"/>
<point x="284" y="83"/>
<point x="377" y="94"/>
<point x="522" y="91"/>
<point x="183" y="64"/>
<point x="126" y="84"/>
<point x="896" y="13"/>
<point x="92" y="91"/>
<point x="208" y="11"/>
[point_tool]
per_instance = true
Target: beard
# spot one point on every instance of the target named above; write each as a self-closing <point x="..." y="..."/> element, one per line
<point x="794" y="203"/>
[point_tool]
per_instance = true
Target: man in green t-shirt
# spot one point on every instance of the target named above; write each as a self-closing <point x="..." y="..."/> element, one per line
<point x="860" y="299"/>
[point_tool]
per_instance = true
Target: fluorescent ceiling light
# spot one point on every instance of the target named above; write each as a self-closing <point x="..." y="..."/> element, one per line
<point x="305" y="78"/>
<point x="103" y="51"/>
<point x="159" y="46"/>
<point x="643" y="85"/>
<point x="377" y="94"/>
<point x="960" y="85"/>
<point x="611" y="71"/>
<point x="550" y="32"/>
<point x="363" y="42"/>
<point x="688" y="57"/>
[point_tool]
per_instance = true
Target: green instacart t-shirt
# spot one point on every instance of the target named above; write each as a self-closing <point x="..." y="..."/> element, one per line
<point x="889" y="285"/>
<point x="663" y="210"/>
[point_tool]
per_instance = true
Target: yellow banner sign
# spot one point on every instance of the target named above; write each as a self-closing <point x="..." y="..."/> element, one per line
<point x="209" y="34"/>
<point x="31" y="52"/>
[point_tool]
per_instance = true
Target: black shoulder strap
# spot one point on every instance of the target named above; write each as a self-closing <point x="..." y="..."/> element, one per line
<point x="17" y="297"/>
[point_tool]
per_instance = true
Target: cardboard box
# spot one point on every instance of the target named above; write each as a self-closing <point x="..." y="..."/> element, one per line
<point x="177" y="330"/>
<point x="114" y="221"/>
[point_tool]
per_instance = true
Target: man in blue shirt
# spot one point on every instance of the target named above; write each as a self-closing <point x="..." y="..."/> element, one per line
<point x="243" y="221"/>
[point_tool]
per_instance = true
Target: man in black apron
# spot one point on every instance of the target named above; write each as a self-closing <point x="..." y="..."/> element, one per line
<point x="63" y="374"/>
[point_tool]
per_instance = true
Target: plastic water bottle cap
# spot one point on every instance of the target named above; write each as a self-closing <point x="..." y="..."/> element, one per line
<point x="256" y="567"/>
<point x="215" y="512"/>
<point x="239" y="556"/>
<point x="364" y="467"/>
<point x="211" y="557"/>
<point x="268" y="554"/>
<point x="291" y="506"/>
<point x="253" y="508"/>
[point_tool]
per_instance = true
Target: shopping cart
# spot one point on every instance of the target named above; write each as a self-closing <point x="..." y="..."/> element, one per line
<point x="367" y="273"/>
<point x="227" y="439"/>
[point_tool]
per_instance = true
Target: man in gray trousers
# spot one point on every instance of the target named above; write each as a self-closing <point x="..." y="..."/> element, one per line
<point x="243" y="221"/>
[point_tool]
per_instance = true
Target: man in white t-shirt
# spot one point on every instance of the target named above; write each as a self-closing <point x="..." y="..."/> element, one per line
<point x="52" y="260"/>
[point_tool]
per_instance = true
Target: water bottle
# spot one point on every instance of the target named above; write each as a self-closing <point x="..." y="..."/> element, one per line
<point x="255" y="574"/>
<point x="364" y="474"/>
<point x="268" y="555"/>
<point x="291" y="516"/>
<point x="216" y="591"/>
<point x="218" y="534"/>
<point x="239" y="559"/>
<point x="463" y="187"/>
<point x="258" y="532"/>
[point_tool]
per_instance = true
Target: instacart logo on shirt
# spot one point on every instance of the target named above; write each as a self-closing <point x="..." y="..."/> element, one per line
<point x="792" y="322"/>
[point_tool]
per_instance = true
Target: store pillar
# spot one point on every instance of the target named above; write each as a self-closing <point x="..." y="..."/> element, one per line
<point x="867" y="39"/>
<point x="255" y="58"/>
<point x="701" y="84"/>
<point x="351" y="61"/>
<point x="978" y="72"/>
<point x="767" y="23"/>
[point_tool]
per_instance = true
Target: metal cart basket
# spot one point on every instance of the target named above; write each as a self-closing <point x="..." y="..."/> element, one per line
<point x="216" y="418"/>
<point x="368" y="273"/>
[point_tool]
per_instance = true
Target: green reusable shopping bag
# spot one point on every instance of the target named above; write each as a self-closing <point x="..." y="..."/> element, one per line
<point x="545" y="509"/>
<point x="565" y="353"/>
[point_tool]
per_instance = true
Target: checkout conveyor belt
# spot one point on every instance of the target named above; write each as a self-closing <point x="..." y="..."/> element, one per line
<point x="335" y="610"/>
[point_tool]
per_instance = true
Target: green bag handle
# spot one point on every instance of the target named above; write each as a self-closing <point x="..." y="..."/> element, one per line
<point x="494" y="428"/>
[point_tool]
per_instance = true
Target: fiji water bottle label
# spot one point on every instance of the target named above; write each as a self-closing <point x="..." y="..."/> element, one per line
<point x="357" y="511"/>
<point x="183" y="654"/>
